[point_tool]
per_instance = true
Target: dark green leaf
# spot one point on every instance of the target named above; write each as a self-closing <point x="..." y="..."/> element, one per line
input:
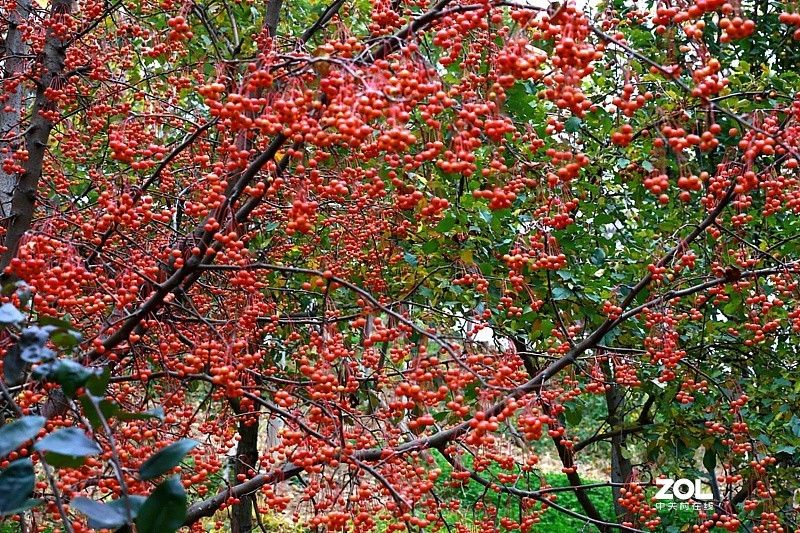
<point x="70" y="375"/>
<point x="440" y="416"/>
<point x="64" y="461"/>
<point x="66" y="339"/>
<point x="411" y="259"/>
<point x="98" y="382"/>
<point x="271" y="226"/>
<point x="100" y="515"/>
<point x="519" y="103"/>
<point x="16" y="486"/>
<point x="165" y="509"/>
<point x="561" y="293"/>
<point x="57" y="323"/>
<point x="791" y="450"/>
<point x="573" y="414"/>
<point x="9" y="314"/>
<point x="108" y="409"/>
<point x="430" y="246"/>
<point x="32" y="345"/>
<point x="598" y="257"/>
<point x="446" y="224"/>
<point x="572" y="125"/>
<point x="166" y="459"/>
<point x="17" y="433"/>
<point x="28" y="504"/>
<point x="710" y="460"/>
<point x="111" y="515"/>
<point x="134" y="502"/>
<point x="68" y="441"/>
<point x="603" y="218"/>
<point x="14" y="367"/>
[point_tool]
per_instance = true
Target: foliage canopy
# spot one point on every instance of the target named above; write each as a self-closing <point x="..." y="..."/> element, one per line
<point x="395" y="252"/>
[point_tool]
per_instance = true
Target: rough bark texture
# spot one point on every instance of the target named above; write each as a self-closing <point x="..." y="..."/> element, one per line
<point x="621" y="468"/>
<point x="247" y="448"/>
<point x="23" y="201"/>
<point x="246" y="464"/>
<point x="11" y="103"/>
<point x="273" y="16"/>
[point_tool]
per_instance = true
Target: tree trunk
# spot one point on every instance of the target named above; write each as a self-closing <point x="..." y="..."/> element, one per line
<point x="621" y="468"/>
<point x="23" y="201"/>
<point x="11" y="108"/>
<point x="247" y="448"/>
<point x="246" y="464"/>
<point x="272" y="16"/>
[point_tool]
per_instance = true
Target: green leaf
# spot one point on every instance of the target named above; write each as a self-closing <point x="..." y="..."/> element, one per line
<point x="440" y="416"/>
<point x="16" y="486"/>
<point x="446" y="224"/>
<point x="17" y="433"/>
<point x="520" y="103"/>
<point x="166" y="459"/>
<point x="430" y="246"/>
<point x="791" y="450"/>
<point x="55" y="322"/>
<point x="561" y="293"/>
<point x="572" y="125"/>
<point x="70" y="375"/>
<point x="111" y="409"/>
<point x="32" y="344"/>
<point x="68" y="441"/>
<point x="66" y="339"/>
<point x="710" y="459"/>
<point x="134" y="501"/>
<point x="64" y="461"/>
<point x="411" y="259"/>
<point x="573" y="414"/>
<point x="28" y="504"/>
<point x="165" y="509"/>
<point x="603" y="218"/>
<point x="99" y="514"/>
<point x="14" y="367"/>
<point x="107" y="408"/>
<point x="111" y="515"/>
<point x="9" y="314"/>
<point x="98" y="382"/>
<point x="272" y="226"/>
<point x="598" y="257"/>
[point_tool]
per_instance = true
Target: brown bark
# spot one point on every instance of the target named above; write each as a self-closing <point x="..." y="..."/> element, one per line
<point x="23" y="201"/>
<point x="621" y="468"/>
<point x="272" y="16"/>
<point x="11" y="105"/>
<point x="246" y="466"/>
